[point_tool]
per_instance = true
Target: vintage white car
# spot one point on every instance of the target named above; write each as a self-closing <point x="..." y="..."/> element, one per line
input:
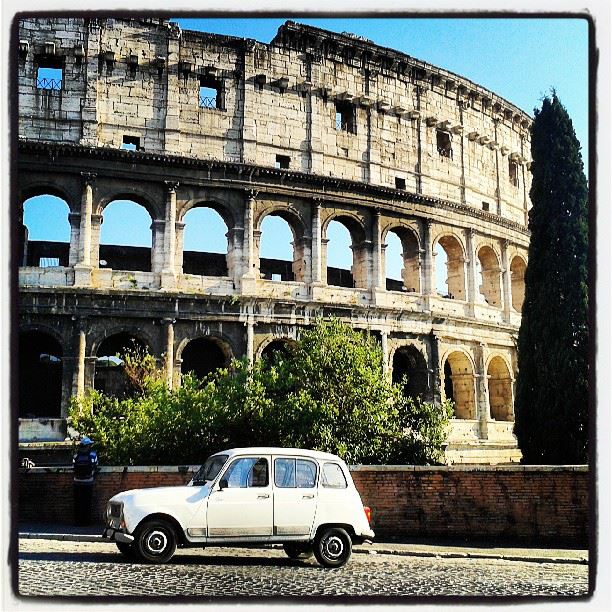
<point x="304" y="500"/>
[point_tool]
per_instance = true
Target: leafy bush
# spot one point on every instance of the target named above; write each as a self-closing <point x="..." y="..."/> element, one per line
<point x="329" y="393"/>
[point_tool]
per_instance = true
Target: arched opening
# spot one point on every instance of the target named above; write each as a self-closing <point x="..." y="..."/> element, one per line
<point x="280" y="346"/>
<point x="110" y="377"/>
<point x="202" y="356"/>
<point x="401" y="255"/>
<point x="500" y="390"/>
<point x="345" y="253"/>
<point x="459" y="385"/>
<point x="517" y="279"/>
<point x="40" y="376"/>
<point x="281" y="251"/>
<point x="489" y="289"/>
<point x="409" y="361"/>
<point x="450" y="268"/>
<point x="125" y="237"/>
<point x="45" y="233"/>
<point x="205" y="244"/>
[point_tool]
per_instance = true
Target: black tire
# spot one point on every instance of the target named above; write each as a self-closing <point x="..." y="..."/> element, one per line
<point x="297" y="550"/>
<point x="127" y="550"/>
<point x="155" y="541"/>
<point x="333" y="547"/>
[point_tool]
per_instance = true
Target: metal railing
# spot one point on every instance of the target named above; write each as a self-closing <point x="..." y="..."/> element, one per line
<point x="208" y="102"/>
<point x="44" y="83"/>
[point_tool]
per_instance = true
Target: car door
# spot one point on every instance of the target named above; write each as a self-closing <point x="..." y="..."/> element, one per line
<point x="242" y="508"/>
<point x="295" y="496"/>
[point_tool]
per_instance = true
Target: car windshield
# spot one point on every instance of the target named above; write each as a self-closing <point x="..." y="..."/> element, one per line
<point x="209" y="470"/>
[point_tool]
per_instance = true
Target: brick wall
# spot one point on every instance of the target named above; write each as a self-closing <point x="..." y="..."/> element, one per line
<point x="521" y="503"/>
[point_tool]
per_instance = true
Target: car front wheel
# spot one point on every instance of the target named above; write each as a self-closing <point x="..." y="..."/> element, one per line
<point x="333" y="547"/>
<point x="155" y="541"/>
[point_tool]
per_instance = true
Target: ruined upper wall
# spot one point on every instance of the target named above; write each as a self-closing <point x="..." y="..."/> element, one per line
<point x="404" y="123"/>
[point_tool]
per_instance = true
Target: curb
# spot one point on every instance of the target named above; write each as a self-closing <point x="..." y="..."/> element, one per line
<point x="69" y="537"/>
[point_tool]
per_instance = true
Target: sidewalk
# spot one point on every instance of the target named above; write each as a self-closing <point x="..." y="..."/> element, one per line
<point x="415" y="548"/>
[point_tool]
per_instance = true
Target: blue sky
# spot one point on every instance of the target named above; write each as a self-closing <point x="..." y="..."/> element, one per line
<point x="520" y="59"/>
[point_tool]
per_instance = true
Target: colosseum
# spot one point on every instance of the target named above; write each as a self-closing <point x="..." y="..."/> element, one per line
<point x="313" y="128"/>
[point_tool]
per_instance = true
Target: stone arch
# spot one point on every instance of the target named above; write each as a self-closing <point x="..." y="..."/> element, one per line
<point x="118" y="255"/>
<point x="276" y="345"/>
<point x="155" y="209"/>
<point x="224" y="210"/>
<point x="359" y="268"/>
<point x="199" y="261"/>
<point x="454" y="251"/>
<point x="459" y="383"/>
<point x="409" y="361"/>
<point x="50" y="246"/>
<point x="411" y="271"/>
<point x="42" y="188"/>
<point x="40" y="373"/>
<point x="203" y="355"/>
<point x="109" y="376"/>
<point x="490" y="271"/>
<point x="273" y="268"/>
<point x="499" y="384"/>
<point x="518" y="267"/>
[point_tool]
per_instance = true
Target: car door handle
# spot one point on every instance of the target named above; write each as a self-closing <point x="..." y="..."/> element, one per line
<point x="266" y="496"/>
<point x="308" y="496"/>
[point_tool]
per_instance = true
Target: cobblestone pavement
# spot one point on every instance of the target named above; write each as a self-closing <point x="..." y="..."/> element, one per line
<point x="52" y="568"/>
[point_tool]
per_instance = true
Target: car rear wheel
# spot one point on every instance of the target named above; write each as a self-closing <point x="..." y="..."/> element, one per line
<point x="333" y="547"/>
<point x="155" y="541"/>
<point x="297" y="550"/>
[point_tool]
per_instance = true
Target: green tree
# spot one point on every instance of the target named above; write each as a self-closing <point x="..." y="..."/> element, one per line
<point x="552" y="392"/>
<point x="328" y="393"/>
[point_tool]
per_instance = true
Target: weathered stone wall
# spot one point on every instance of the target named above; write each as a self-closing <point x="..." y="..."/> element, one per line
<point x="521" y="504"/>
<point x="448" y="139"/>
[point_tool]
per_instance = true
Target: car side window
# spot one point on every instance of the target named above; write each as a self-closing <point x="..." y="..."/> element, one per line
<point x="305" y="474"/>
<point x="333" y="476"/>
<point x="295" y="473"/>
<point x="247" y="472"/>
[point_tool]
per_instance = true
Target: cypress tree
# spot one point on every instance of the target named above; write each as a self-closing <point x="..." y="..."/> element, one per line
<point x="551" y="404"/>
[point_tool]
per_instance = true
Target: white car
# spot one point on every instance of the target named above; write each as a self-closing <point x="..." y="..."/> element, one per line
<point x="304" y="500"/>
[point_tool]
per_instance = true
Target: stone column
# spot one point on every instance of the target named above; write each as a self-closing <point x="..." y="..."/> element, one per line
<point x="471" y="270"/>
<point x="384" y="341"/>
<point x="79" y="373"/>
<point x="482" y="393"/>
<point x="376" y="253"/>
<point x="235" y="242"/>
<point x="168" y="279"/>
<point x="96" y="226"/>
<point x="435" y="375"/>
<point x="169" y="361"/>
<point x="250" y="340"/>
<point x="316" y="242"/>
<point x="158" y="227"/>
<point x="82" y="270"/>
<point x="248" y="249"/>
<point x="75" y="224"/>
<point x="506" y="280"/>
<point x="428" y="267"/>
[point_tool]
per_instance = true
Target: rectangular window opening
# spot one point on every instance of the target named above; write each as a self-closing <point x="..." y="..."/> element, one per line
<point x="130" y="143"/>
<point x="400" y="183"/>
<point x="276" y="277"/>
<point x="485" y="206"/>
<point x="345" y="117"/>
<point x="513" y="173"/>
<point x="210" y="93"/>
<point x="443" y="143"/>
<point x="48" y="77"/>
<point x="282" y="162"/>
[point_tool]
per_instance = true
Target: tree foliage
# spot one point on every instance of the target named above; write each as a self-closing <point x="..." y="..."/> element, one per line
<point x="328" y="393"/>
<point x="552" y="392"/>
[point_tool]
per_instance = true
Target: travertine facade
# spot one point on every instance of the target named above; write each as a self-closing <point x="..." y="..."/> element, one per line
<point x="312" y="127"/>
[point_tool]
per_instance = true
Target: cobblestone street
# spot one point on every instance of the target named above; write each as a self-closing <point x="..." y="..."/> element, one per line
<point x="56" y="568"/>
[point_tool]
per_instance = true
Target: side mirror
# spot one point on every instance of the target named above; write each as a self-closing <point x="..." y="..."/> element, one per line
<point x="223" y="484"/>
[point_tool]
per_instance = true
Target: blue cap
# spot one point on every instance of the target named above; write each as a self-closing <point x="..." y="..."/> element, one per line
<point x="85" y="441"/>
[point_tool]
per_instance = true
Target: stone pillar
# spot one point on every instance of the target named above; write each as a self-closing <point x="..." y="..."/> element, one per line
<point x="250" y="340"/>
<point x="471" y="270"/>
<point x="168" y="279"/>
<point x="235" y="241"/>
<point x="482" y="393"/>
<point x="248" y="249"/>
<point x="316" y="242"/>
<point x="169" y="361"/>
<point x="82" y="270"/>
<point x="384" y="341"/>
<point x="435" y="375"/>
<point x="75" y="224"/>
<point x="428" y="267"/>
<point x="158" y="228"/>
<point x="96" y="227"/>
<point x="506" y="280"/>
<point x="376" y="253"/>
<point x="79" y="369"/>
<point x="178" y="261"/>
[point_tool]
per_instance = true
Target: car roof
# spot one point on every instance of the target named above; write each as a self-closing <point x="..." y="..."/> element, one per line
<point x="273" y="450"/>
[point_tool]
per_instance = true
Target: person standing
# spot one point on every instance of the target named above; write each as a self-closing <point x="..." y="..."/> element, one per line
<point x="84" y="465"/>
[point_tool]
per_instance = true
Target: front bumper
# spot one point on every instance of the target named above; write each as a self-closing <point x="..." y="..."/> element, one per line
<point x="117" y="535"/>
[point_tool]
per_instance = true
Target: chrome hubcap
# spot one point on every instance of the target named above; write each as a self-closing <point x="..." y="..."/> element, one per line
<point x="333" y="547"/>
<point x="156" y="542"/>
